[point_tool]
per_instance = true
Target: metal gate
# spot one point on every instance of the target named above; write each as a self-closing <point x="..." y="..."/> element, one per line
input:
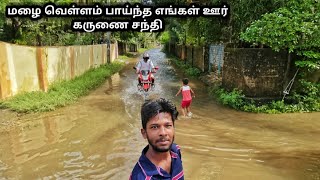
<point x="216" y="58"/>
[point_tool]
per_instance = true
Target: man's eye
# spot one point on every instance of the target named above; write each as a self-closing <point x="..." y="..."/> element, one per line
<point x="154" y="127"/>
<point x="169" y="126"/>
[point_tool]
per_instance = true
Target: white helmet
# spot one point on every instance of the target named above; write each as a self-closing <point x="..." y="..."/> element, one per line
<point x="145" y="56"/>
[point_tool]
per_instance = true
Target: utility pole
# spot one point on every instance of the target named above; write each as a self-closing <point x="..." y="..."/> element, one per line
<point x="108" y="47"/>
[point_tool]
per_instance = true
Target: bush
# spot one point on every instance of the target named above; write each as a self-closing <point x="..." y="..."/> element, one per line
<point x="61" y="93"/>
<point x="235" y="100"/>
<point x="232" y="99"/>
<point x="186" y="68"/>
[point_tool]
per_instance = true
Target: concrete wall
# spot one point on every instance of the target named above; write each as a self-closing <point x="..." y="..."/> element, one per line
<point x="180" y="51"/>
<point x="122" y="48"/>
<point x="198" y="58"/>
<point x="257" y="72"/>
<point x="195" y="56"/>
<point x="24" y="68"/>
<point x="189" y="55"/>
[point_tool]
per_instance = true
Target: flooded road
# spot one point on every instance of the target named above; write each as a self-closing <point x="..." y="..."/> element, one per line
<point x="99" y="136"/>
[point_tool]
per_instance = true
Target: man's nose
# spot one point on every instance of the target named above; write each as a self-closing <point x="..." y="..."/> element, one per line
<point x="163" y="131"/>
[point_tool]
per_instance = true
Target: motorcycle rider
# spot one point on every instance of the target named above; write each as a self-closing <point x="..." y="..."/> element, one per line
<point x="145" y="64"/>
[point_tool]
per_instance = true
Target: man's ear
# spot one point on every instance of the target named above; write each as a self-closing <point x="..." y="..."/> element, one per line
<point x="144" y="133"/>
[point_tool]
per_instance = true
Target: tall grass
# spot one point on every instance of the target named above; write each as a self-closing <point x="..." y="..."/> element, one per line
<point x="142" y="50"/>
<point x="61" y="93"/>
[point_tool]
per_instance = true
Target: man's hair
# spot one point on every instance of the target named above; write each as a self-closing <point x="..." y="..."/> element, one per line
<point x="185" y="81"/>
<point x="153" y="107"/>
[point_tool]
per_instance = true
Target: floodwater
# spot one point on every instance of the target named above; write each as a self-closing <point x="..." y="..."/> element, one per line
<point x="99" y="136"/>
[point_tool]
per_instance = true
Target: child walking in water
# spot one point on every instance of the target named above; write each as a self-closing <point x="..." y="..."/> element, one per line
<point x="186" y="97"/>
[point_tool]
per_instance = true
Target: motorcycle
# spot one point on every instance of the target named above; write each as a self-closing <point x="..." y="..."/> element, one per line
<point x="145" y="79"/>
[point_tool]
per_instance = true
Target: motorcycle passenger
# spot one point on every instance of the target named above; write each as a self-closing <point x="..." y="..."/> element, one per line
<point x="145" y="64"/>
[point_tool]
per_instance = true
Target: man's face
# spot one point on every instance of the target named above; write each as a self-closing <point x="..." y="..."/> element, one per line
<point x="159" y="132"/>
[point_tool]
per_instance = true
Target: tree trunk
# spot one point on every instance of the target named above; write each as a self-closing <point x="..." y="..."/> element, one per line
<point x="185" y="37"/>
<point x="13" y="32"/>
<point x="15" y="28"/>
<point x="38" y="40"/>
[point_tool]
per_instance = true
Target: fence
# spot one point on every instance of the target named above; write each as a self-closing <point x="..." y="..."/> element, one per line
<point x="198" y="56"/>
<point x="25" y="68"/>
<point x="257" y="72"/>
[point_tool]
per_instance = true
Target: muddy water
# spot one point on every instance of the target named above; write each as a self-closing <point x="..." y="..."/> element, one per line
<point x="98" y="137"/>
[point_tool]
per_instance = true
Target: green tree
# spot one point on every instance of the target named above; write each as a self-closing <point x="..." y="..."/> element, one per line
<point x="205" y="30"/>
<point x="294" y="28"/>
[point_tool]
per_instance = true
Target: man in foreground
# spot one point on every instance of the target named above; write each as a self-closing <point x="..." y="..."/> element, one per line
<point x="161" y="159"/>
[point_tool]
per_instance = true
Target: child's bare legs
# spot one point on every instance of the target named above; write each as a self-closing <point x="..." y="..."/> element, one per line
<point x="188" y="109"/>
<point x="189" y="113"/>
<point x="184" y="111"/>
